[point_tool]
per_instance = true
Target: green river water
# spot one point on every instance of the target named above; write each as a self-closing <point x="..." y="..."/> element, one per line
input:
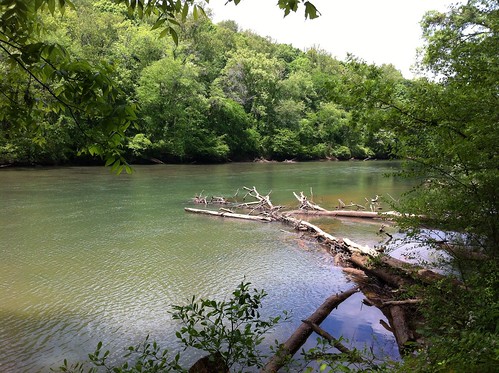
<point x="88" y="256"/>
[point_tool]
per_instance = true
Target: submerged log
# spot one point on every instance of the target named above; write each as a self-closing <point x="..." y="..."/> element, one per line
<point x="326" y="238"/>
<point x="400" y="327"/>
<point x="200" y="199"/>
<point x="363" y="262"/>
<point x="303" y="225"/>
<point x="342" y="244"/>
<point x="229" y="214"/>
<point x="352" y="356"/>
<point x="218" y="200"/>
<point x="342" y="205"/>
<point x="337" y="344"/>
<point x="300" y="336"/>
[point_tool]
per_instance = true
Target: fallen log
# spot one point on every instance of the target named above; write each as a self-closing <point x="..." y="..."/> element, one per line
<point x="354" y="247"/>
<point x="304" y="225"/>
<point x="300" y="336"/>
<point x="391" y="277"/>
<point x="344" y="244"/>
<point x="402" y="302"/>
<point x="355" y="272"/>
<point x="224" y="214"/>
<point x="336" y="344"/>
<point x="326" y="238"/>
<point x="400" y="328"/>
<point x="349" y="214"/>
<point x="422" y="274"/>
<point x="363" y="262"/>
<point x="391" y="271"/>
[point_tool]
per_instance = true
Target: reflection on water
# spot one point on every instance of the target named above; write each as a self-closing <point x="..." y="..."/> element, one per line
<point x="88" y="256"/>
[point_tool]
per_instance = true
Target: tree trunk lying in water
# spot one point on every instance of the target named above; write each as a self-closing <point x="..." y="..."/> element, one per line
<point x="300" y="336"/>
<point x="393" y="272"/>
<point x="229" y="214"/>
<point x="348" y="213"/>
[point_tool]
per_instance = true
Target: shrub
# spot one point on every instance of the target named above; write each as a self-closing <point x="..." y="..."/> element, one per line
<point x="342" y="153"/>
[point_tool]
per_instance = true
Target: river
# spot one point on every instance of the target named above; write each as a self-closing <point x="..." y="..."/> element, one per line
<point x="88" y="256"/>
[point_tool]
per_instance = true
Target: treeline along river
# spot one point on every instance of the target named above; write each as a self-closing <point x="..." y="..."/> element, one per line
<point x="88" y="256"/>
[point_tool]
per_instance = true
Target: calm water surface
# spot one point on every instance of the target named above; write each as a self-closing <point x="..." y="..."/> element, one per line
<point x="87" y="256"/>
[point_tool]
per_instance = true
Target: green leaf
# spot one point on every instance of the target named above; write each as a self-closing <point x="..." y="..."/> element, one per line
<point x="39" y="4"/>
<point x="310" y="10"/>
<point x="185" y="11"/>
<point x="110" y="161"/>
<point x="94" y="149"/>
<point x="62" y="6"/>
<point x="128" y="169"/>
<point x="140" y="9"/>
<point x="200" y="12"/>
<point x="158" y="23"/>
<point x="51" y="6"/>
<point x="174" y="35"/>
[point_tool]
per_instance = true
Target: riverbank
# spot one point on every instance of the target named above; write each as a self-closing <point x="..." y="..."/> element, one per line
<point x="92" y="162"/>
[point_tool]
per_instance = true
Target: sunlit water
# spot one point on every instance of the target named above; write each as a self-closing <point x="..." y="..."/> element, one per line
<point x="87" y="256"/>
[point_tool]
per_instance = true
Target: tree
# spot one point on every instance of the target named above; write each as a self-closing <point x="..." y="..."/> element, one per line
<point x="207" y="45"/>
<point x="445" y="123"/>
<point x="455" y="124"/>
<point x="227" y="118"/>
<point x="252" y="80"/>
<point x="55" y="82"/>
<point x="175" y="110"/>
<point x="77" y="89"/>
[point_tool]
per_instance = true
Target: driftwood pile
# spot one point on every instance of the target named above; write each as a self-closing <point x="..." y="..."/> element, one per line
<point x="379" y="276"/>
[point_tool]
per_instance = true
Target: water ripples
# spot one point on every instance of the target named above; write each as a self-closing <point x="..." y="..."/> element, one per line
<point x="99" y="258"/>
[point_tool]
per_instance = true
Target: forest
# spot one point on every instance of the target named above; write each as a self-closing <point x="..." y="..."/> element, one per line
<point x="121" y="82"/>
<point x="219" y="94"/>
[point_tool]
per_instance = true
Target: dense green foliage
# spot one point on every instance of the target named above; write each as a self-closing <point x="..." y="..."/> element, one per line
<point x="48" y="92"/>
<point x="462" y="325"/>
<point x="447" y="124"/>
<point x="449" y="127"/>
<point x="73" y="82"/>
